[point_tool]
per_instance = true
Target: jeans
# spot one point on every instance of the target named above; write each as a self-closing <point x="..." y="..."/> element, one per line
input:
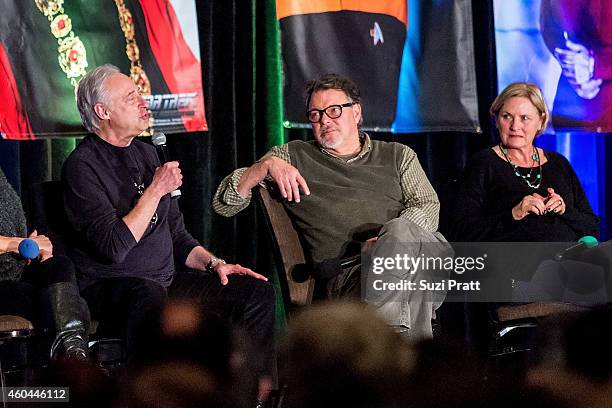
<point x="407" y="311"/>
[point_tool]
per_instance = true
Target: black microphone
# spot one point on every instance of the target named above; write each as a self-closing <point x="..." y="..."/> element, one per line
<point x="159" y="141"/>
<point x="301" y="273"/>
<point x="574" y="250"/>
<point x="325" y="269"/>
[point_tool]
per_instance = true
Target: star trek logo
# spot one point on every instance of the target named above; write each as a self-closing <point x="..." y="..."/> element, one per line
<point x="376" y="34"/>
<point x="172" y="105"/>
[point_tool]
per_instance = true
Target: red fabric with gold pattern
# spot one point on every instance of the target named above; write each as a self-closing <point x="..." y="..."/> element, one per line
<point x="13" y="119"/>
<point x="181" y="69"/>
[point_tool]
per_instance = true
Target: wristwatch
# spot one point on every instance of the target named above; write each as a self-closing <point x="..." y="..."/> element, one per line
<point x="210" y="266"/>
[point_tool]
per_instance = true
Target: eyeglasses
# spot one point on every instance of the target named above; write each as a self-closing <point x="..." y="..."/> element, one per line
<point x="332" y="111"/>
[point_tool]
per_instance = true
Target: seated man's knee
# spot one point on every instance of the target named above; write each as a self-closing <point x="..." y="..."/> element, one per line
<point x="264" y="293"/>
<point x="397" y="224"/>
<point x="264" y="289"/>
<point x="145" y="289"/>
<point x="402" y="229"/>
<point x="257" y="289"/>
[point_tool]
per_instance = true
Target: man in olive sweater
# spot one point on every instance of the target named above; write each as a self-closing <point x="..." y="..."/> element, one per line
<point x="343" y="188"/>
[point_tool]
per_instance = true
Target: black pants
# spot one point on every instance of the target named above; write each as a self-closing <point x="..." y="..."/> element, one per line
<point x="125" y="305"/>
<point x="25" y="298"/>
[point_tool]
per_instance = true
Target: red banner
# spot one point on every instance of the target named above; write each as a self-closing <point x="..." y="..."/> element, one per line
<point x="46" y="47"/>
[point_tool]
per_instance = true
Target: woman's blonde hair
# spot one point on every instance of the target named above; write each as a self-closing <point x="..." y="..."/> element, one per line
<point x="524" y="90"/>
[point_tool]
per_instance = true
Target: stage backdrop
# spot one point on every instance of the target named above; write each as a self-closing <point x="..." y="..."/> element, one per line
<point x="564" y="46"/>
<point x="47" y="46"/>
<point x="412" y="59"/>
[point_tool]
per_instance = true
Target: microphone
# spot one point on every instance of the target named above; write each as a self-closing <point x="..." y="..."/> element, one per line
<point x="28" y="249"/>
<point x="301" y="273"/>
<point x="329" y="268"/>
<point x="325" y="269"/>
<point x="586" y="242"/>
<point x="159" y="141"/>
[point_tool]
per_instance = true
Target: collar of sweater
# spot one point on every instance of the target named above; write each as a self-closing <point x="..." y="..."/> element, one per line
<point x="366" y="146"/>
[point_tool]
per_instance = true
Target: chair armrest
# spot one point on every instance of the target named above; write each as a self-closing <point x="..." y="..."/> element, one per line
<point x="288" y="250"/>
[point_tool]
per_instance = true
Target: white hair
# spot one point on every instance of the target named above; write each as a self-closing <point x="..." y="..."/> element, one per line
<point x="90" y="91"/>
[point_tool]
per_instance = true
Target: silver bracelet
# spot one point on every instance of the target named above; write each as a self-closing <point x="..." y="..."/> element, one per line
<point x="210" y="266"/>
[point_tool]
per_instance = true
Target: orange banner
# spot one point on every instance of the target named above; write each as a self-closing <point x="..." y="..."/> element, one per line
<point x="394" y="8"/>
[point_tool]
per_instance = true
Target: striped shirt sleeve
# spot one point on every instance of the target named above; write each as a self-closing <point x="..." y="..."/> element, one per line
<point x="227" y="201"/>
<point x="419" y="198"/>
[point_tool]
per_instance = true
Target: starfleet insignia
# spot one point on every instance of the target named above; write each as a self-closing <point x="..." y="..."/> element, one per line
<point x="376" y="34"/>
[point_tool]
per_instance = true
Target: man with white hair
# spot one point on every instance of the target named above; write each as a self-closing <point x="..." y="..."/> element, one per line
<point x="130" y="231"/>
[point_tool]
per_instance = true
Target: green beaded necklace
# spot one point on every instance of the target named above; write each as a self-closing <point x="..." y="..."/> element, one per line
<point x="531" y="182"/>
